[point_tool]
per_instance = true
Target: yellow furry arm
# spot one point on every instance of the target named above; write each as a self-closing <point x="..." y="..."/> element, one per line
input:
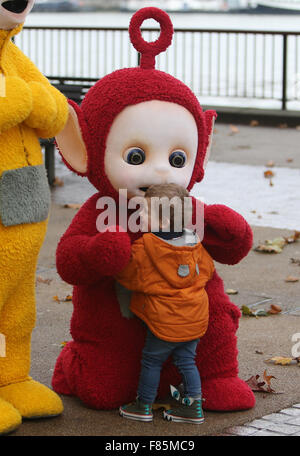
<point x="62" y="113"/>
<point x="50" y="107"/>
<point x="16" y="105"/>
<point x="44" y="110"/>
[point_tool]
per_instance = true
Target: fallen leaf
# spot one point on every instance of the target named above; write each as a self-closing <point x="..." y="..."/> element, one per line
<point x="254" y="123"/>
<point x="258" y="352"/>
<point x="265" y="386"/>
<point x="272" y="246"/>
<point x="233" y="129"/>
<point x="274" y="309"/>
<point x="247" y="311"/>
<point x="270" y="164"/>
<point x="253" y="212"/>
<point x="289" y="160"/>
<point x="63" y="344"/>
<point x="295" y="261"/>
<point x="66" y="299"/>
<point x="280" y="360"/>
<point x="294" y="238"/>
<point x="283" y="125"/>
<point x="268" y="174"/>
<point x="41" y="280"/>
<point x="230" y="291"/>
<point x="72" y="206"/>
<point x="157" y="406"/>
<point x="58" y="182"/>
<point x="292" y="279"/>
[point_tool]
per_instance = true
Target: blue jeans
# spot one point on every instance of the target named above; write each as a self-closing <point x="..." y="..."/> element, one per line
<point x="155" y="353"/>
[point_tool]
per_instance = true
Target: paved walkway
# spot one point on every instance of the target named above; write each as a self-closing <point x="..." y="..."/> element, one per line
<point x="259" y="280"/>
<point x="284" y="423"/>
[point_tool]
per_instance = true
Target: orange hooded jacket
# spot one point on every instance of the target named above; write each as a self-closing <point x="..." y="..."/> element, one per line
<point x="168" y="283"/>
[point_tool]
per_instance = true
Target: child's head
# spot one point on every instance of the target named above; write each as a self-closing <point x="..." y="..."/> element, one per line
<point x="165" y="208"/>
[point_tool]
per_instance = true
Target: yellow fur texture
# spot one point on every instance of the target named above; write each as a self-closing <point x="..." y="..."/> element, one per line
<point x="31" y="108"/>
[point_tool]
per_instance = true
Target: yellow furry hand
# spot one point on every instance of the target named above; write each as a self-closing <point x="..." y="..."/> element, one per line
<point x="16" y="105"/>
<point x="44" y="109"/>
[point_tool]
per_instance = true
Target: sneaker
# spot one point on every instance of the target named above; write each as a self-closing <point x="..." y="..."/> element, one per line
<point x="189" y="410"/>
<point x="137" y="410"/>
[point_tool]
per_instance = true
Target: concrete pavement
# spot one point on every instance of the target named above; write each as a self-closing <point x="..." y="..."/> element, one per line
<point x="259" y="277"/>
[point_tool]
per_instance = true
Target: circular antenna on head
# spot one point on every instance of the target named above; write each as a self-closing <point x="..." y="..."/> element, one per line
<point x="149" y="50"/>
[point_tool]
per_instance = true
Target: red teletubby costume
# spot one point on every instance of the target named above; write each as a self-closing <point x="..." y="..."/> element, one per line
<point x="101" y="364"/>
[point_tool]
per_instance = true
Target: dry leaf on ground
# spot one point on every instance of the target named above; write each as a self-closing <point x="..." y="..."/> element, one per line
<point x="58" y="182"/>
<point x="72" y="206"/>
<point x="293" y="238"/>
<point x="270" y="164"/>
<point x="268" y="174"/>
<point x="292" y="279"/>
<point x="276" y="245"/>
<point x="66" y="299"/>
<point x="261" y="386"/>
<point x="41" y="280"/>
<point x="230" y="291"/>
<point x="233" y="129"/>
<point x="283" y="361"/>
<point x="295" y="261"/>
<point x="256" y="313"/>
<point x="274" y="309"/>
<point x="271" y="246"/>
<point x="254" y="123"/>
<point x="157" y="406"/>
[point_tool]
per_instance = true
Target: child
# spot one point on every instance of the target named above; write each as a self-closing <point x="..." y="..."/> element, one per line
<point x="168" y="271"/>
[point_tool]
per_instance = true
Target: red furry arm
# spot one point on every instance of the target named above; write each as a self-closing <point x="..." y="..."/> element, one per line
<point x="84" y="256"/>
<point x="227" y="236"/>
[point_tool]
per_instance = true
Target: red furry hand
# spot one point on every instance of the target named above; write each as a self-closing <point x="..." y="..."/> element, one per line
<point x="227" y="235"/>
<point x="227" y="224"/>
<point x="109" y="252"/>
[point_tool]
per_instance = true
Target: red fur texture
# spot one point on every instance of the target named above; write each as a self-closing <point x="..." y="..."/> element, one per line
<point x="101" y="364"/>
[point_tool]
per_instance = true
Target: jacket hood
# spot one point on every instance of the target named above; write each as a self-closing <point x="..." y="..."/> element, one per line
<point x="178" y="264"/>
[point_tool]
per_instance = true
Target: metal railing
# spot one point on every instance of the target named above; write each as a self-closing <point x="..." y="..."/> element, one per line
<point x="223" y="67"/>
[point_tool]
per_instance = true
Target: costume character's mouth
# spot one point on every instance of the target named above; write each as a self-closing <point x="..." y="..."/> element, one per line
<point x="15" y="6"/>
<point x="144" y="189"/>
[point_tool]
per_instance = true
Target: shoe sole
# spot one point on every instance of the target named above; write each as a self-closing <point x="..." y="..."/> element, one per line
<point x="136" y="417"/>
<point x="181" y="419"/>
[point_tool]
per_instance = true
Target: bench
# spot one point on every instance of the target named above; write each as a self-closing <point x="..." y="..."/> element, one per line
<point x="74" y="89"/>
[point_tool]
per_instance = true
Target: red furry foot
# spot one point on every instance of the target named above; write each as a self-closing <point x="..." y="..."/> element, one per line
<point x="227" y="394"/>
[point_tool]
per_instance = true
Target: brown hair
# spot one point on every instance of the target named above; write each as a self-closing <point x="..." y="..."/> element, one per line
<point x="169" y="191"/>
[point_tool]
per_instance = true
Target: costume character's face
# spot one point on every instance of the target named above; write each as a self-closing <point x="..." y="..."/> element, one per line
<point x="138" y="126"/>
<point x="14" y="12"/>
<point x="154" y="142"/>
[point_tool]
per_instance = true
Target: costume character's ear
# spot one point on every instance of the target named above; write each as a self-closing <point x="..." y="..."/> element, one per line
<point x="210" y="117"/>
<point x="70" y="141"/>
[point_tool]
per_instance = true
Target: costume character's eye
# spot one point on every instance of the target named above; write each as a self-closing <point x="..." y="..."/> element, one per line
<point x="177" y="159"/>
<point x="135" y="156"/>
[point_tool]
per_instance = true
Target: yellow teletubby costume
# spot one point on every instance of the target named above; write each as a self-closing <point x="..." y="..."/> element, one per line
<point x="29" y="108"/>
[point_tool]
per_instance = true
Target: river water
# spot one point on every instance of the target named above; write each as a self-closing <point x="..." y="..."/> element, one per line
<point x="180" y="20"/>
